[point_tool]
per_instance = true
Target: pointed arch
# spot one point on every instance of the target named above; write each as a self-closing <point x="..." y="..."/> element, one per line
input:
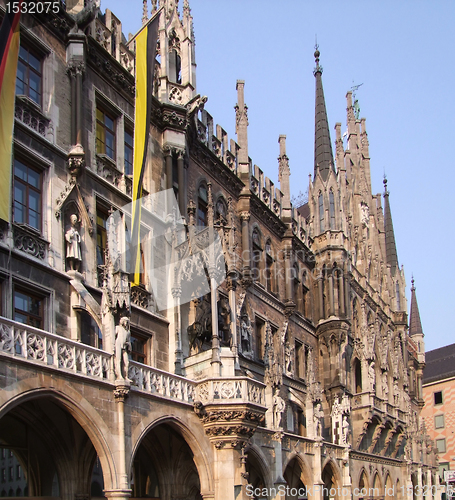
<point x="321" y="212"/>
<point x="298" y="460"/>
<point x="332" y="478"/>
<point x="332" y="209"/>
<point x="257" y="464"/>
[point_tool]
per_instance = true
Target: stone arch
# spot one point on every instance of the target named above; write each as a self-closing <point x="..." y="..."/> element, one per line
<point x="40" y="407"/>
<point x="299" y="459"/>
<point x="389" y="494"/>
<point x="363" y="485"/>
<point x="378" y="490"/>
<point x="331" y="478"/>
<point x="200" y="459"/>
<point x="257" y="463"/>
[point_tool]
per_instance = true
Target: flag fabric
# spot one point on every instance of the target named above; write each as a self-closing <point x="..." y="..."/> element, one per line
<point x="145" y="66"/>
<point x="9" y="53"/>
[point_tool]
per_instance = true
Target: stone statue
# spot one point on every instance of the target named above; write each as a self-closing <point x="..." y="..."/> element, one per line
<point x="122" y="349"/>
<point x="344" y="430"/>
<point x="289" y="359"/>
<point x="318" y="415"/>
<point x="278" y="409"/>
<point x="201" y="330"/>
<point x="245" y="335"/>
<point x="224" y="320"/>
<point x="371" y="375"/>
<point x="73" y="245"/>
<point x="385" y="386"/>
<point x="396" y="393"/>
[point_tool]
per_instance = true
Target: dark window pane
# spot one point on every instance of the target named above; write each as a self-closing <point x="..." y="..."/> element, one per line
<point x="23" y="53"/>
<point x="20" y="170"/>
<point x="34" y="62"/>
<point x="33" y="178"/>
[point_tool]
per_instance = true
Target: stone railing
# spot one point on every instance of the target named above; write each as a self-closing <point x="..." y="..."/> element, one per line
<point x="148" y="379"/>
<point x="235" y="390"/>
<point x="27" y="239"/>
<point x="25" y="342"/>
<point x="29" y="113"/>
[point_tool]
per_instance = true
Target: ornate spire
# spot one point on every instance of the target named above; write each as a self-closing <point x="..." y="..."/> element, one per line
<point x="390" y="246"/>
<point x="144" y="12"/>
<point x="323" y="156"/>
<point x="415" y="325"/>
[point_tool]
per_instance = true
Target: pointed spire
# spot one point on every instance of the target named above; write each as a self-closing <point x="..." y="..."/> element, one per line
<point x="284" y="172"/>
<point x="323" y="156"/>
<point x="390" y="246"/>
<point x="415" y="325"/>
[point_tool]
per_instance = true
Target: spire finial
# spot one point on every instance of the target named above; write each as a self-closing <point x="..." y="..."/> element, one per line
<point x="385" y="185"/>
<point x="317" y="69"/>
<point x="144" y="12"/>
<point x="412" y="284"/>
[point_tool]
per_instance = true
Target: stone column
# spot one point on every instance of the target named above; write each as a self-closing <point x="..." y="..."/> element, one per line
<point x="231" y="286"/>
<point x="321" y="298"/>
<point x="123" y="491"/>
<point x="181" y="181"/>
<point x="176" y="292"/>
<point x="331" y="302"/>
<point x="245" y="217"/>
<point x="317" y="472"/>
<point x="419" y="495"/>
<point x="216" y="359"/>
<point x="278" y="472"/>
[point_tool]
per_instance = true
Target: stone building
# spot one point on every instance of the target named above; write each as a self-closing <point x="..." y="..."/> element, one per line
<point x="439" y="410"/>
<point x="296" y="369"/>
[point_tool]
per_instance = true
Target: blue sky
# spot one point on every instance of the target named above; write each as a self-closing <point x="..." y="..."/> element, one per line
<point x="402" y="52"/>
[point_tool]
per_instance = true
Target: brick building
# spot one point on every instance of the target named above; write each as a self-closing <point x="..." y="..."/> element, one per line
<point x="295" y="369"/>
<point x="439" y="410"/>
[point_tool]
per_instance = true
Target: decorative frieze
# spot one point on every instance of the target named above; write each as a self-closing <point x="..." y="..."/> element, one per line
<point x="28" y="241"/>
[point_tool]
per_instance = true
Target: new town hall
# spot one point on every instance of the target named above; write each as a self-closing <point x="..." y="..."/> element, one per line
<point x="300" y="368"/>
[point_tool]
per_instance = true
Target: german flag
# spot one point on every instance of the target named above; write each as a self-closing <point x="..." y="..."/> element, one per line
<point x="145" y="65"/>
<point x="9" y="53"/>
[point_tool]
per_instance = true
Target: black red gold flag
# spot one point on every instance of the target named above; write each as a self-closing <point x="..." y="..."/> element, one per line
<point x="9" y="53"/>
<point x="145" y="65"/>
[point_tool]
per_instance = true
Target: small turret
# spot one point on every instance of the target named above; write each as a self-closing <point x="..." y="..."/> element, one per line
<point x="284" y="173"/>
<point x="390" y="245"/>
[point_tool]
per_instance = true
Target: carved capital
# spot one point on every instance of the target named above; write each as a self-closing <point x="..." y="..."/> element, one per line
<point x="121" y="393"/>
<point x="75" y="68"/>
<point x="245" y="216"/>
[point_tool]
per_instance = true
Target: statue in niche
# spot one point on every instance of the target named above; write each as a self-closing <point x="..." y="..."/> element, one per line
<point x="344" y="430"/>
<point x="73" y="245"/>
<point x="122" y="349"/>
<point x="289" y="359"/>
<point x="278" y="408"/>
<point x="396" y="393"/>
<point x="224" y="320"/>
<point x="318" y="415"/>
<point x="371" y="375"/>
<point x="246" y="331"/>
<point x="201" y="330"/>
<point x="385" y="386"/>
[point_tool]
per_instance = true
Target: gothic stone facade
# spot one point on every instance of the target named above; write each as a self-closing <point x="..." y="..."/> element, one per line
<point x="297" y="369"/>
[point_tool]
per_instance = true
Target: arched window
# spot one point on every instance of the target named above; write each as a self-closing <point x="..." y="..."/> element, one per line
<point x="358" y="376"/>
<point x="221" y="210"/>
<point x="321" y="212"/>
<point x="397" y="292"/>
<point x="269" y="266"/>
<point x="296" y="284"/>
<point x="332" y="209"/>
<point x="175" y="67"/>
<point x="202" y="201"/>
<point x="256" y="255"/>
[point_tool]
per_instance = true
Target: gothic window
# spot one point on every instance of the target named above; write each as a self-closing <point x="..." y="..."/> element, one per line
<point x="397" y="292"/>
<point x="321" y="212"/>
<point x="139" y="348"/>
<point x="332" y="209"/>
<point x="358" y="376"/>
<point x="175" y="67"/>
<point x="90" y="332"/>
<point x="28" y="308"/>
<point x="105" y="133"/>
<point x="101" y="235"/>
<point x="221" y="210"/>
<point x="29" y="75"/>
<point x="129" y="144"/>
<point x="269" y="261"/>
<point x="259" y="334"/>
<point x="256" y="255"/>
<point x="27" y="195"/>
<point x="304" y="299"/>
<point x="202" y="202"/>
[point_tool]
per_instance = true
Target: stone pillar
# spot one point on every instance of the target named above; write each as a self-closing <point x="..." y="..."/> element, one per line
<point x="419" y="491"/>
<point x="216" y="358"/>
<point x="176" y="292"/>
<point x="231" y="286"/>
<point x="168" y="158"/>
<point x="245" y="217"/>
<point x="321" y="298"/>
<point x="341" y="295"/>
<point x="317" y="472"/>
<point x="181" y="181"/>
<point x="346" y="493"/>
<point x="278" y="472"/>
<point x="331" y="301"/>
<point x="123" y="491"/>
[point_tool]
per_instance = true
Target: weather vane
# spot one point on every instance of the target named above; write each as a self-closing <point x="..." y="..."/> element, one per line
<point x="354" y="88"/>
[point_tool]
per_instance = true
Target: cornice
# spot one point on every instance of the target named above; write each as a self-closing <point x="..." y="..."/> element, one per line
<point x="267" y="217"/>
